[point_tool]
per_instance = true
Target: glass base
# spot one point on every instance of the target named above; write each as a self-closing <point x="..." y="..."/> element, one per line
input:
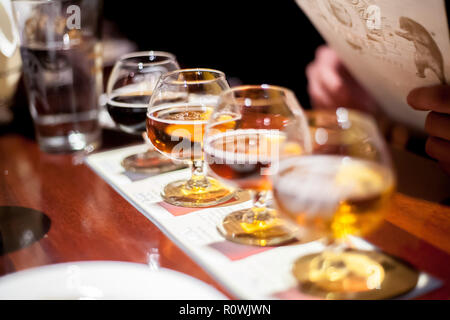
<point x="257" y="227"/>
<point x="150" y="162"/>
<point x="181" y="194"/>
<point x="354" y="274"/>
<point x="75" y="141"/>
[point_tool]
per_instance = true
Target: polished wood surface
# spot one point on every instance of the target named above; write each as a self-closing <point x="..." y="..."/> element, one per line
<point x="90" y="221"/>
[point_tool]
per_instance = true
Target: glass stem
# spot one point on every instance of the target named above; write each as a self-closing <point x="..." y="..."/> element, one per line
<point x="198" y="178"/>
<point x="259" y="211"/>
<point x="336" y="246"/>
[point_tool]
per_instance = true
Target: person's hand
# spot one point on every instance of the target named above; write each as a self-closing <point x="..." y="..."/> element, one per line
<point x="437" y="100"/>
<point x="331" y="86"/>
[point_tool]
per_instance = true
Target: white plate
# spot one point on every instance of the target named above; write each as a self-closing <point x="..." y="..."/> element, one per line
<point x="103" y="280"/>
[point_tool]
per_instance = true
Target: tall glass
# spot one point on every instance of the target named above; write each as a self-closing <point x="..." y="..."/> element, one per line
<point x="129" y="89"/>
<point x="62" y="64"/>
<point x="10" y="62"/>
<point x="246" y="137"/>
<point x="343" y="189"/>
<point x="177" y="115"/>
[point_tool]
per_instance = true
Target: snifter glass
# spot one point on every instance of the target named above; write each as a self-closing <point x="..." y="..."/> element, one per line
<point x="246" y="137"/>
<point x="343" y="189"/>
<point x="129" y="90"/>
<point x="62" y="64"/>
<point x="177" y="115"/>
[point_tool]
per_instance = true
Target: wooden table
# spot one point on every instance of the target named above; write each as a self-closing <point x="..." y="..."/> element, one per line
<point x="90" y="221"/>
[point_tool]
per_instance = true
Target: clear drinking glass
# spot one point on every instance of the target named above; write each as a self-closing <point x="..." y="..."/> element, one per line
<point x="177" y="115"/>
<point x="129" y="89"/>
<point x="62" y="64"/>
<point x="343" y="189"/>
<point x="246" y="137"/>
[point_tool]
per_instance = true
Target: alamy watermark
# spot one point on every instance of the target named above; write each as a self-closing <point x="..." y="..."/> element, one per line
<point x="373" y="17"/>
<point x="74" y="17"/>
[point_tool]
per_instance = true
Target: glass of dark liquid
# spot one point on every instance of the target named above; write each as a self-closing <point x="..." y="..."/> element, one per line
<point x="129" y="90"/>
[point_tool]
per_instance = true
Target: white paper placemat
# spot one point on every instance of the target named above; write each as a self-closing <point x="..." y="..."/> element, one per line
<point x="247" y="272"/>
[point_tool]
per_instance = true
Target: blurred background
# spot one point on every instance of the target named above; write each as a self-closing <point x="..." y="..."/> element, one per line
<point x="251" y="41"/>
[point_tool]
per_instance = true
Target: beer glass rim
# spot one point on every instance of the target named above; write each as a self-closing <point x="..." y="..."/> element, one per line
<point x="41" y="1"/>
<point x="343" y="115"/>
<point x="123" y="59"/>
<point x="261" y="87"/>
<point x="219" y="75"/>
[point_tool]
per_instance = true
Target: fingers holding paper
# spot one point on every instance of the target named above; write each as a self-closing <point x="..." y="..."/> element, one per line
<point x="437" y="100"/>
<point x="434" y="98"/>
<point x="330" y="84"/>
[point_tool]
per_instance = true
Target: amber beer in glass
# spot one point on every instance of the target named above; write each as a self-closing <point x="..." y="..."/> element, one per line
<point x="177" y="116"/>
<point x="340" y="191"/>
<point x="244" y="157"/>
<point x="357" y="194"/>
<point x="179" y="123"/>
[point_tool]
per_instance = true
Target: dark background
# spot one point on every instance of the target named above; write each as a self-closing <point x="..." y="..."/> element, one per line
<point x="254" y="41"/>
